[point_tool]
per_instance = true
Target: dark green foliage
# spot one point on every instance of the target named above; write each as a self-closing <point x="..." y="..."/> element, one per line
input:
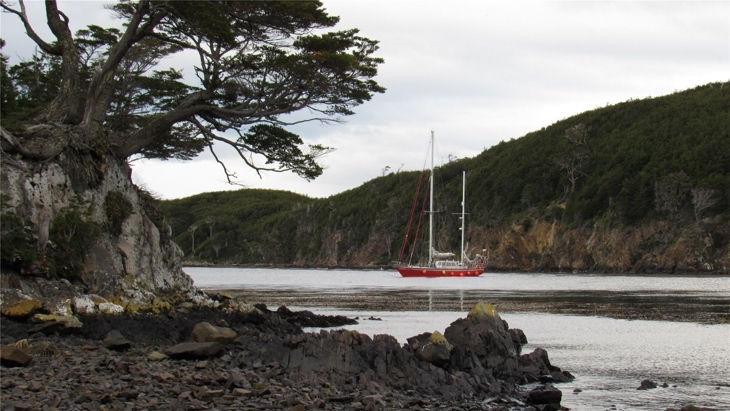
<point x="18" y="243"/>
<point x="234" y="225"/>
<point x="675" y="148"/>
<point x="27" y="87"/>
<point x="117" y="209"/>
<point x="70" y="237"/>
<point x="256" y="63"/>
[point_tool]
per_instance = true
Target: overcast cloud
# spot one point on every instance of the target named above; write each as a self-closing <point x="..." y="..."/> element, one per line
<point x="476" y="72"/>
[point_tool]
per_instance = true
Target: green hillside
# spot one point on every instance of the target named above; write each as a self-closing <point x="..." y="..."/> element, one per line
<point x="633" y="164"/>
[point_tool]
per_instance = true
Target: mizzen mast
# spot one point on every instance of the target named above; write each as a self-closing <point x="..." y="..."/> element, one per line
<point x="463" y="213"/>
<point x="430" y="211"/>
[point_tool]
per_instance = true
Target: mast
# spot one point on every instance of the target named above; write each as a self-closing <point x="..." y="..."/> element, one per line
<point x="430" y="211"/>
<point x="463" y="212"/>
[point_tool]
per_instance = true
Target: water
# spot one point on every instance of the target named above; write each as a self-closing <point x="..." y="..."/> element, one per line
<point x="608" y="356"/>
<point x="353" y="280"/>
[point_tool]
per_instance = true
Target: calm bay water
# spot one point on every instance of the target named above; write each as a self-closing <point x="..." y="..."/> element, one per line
<point x="355" y="280"/>
<point x="608" y="356"/>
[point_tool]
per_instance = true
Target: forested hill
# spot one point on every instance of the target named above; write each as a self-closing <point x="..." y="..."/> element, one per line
<point x="640" y="186"/>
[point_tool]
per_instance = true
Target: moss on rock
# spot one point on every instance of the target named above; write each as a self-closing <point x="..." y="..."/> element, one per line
<point x="483" y="310"/>
<point x="22" y="308"/>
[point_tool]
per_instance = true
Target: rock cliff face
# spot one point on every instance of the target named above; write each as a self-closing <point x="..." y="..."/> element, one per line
<point x="658" y="246"/>
<point x="84" y="226"/>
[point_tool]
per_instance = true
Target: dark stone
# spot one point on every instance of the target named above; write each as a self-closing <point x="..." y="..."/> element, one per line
<point x="262" y="307"/>
<point x="665" y="385"/>
<point x="647" y="385"/>
<point x="561" y="376"/>
<point x="114" y="340"/>
<point x="194" y="350"/>
<point x="207" y="332"/>
<point x="544" y="394"/>
<point x="518" y="338"/>
<point x="309" y="319"/>
<point x="12" y="356"/>
<point x="482" y="341"/>
<point x="577" y="390"/>
<point x="536" y="366"/>
<point x="432" y="348"/>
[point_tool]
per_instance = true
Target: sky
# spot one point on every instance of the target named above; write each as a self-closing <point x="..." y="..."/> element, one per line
<point x="474" y="72"/>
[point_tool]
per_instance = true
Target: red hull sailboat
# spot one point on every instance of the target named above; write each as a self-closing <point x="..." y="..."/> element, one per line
<point x="411" y="271"/>
<point x="439" y="264"/>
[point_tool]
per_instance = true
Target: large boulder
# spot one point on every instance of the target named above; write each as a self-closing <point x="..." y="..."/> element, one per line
<point x="545" y="394"/>
<point x="536" y="366"/>
<point x="431" y="347"/>
<point x="194" y="350"/>
<point x="482" y="340"/>
<point x="207" y="332"/>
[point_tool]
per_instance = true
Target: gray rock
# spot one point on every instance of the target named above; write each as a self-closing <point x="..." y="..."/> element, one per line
<point x="483" y="337"/>
<point x="431" y="347"/>
<point x="518" y="338"/>
<point x="536" y="366"/>
<point x="647" y="385"/>
<point x="114" y="340"/>
<point x="194" y="350"/>
<point x="207" y="332"/>
<point x="544" y="394"/>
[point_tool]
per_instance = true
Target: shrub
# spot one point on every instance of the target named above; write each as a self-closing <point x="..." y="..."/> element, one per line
<point x="71" y="236"/>
<point x="19" y="242"/>
<point x="117" y="209"/>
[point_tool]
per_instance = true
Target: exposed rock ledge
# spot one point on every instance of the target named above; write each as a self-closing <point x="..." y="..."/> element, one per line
<point x="127" y="256"/>
<point x="262" y="359"/>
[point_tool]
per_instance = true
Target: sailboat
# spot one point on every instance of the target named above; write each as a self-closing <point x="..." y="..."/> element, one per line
<point x="440" y="264"/>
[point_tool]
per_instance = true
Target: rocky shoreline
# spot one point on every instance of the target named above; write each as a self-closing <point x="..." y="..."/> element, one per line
<point x="613" y="304"/>
<point x="242" y="357"/>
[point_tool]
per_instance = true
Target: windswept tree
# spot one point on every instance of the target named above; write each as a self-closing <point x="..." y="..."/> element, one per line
<point x="256" y="68"/>
<point x="575" y="159"/>
<point x="88" y="102"/>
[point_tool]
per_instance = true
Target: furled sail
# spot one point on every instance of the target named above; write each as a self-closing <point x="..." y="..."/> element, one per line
<point x="439" y="254"/>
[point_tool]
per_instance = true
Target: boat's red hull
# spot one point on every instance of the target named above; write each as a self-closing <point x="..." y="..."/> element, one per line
<point x="440" y="272"/>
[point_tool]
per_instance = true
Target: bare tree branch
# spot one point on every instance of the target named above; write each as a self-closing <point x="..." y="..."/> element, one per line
<point x="228" y="174"/>
<point x="46" y="47"/>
